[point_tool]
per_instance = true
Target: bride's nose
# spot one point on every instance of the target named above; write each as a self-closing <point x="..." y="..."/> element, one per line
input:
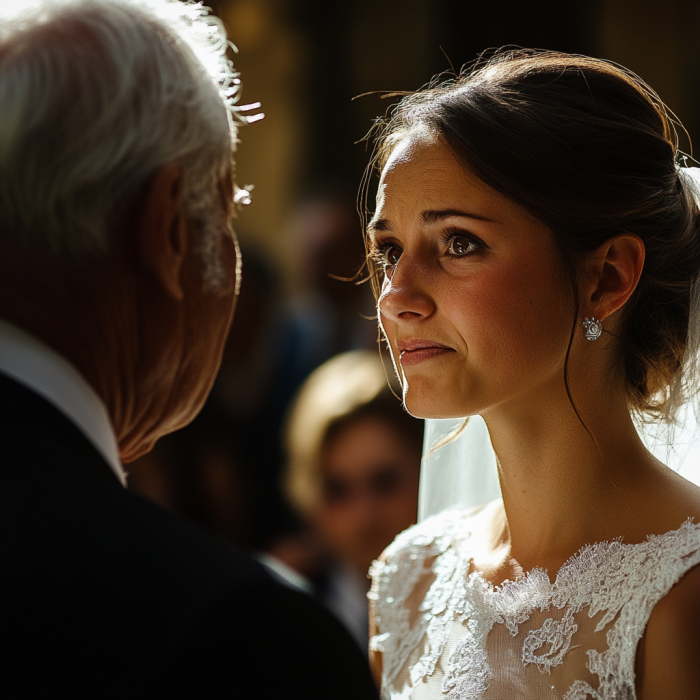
<point x="404" y="295"/>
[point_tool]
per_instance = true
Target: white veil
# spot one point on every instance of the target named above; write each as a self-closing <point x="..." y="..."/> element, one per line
<point x="459" y="466"/>
<point x="459" y="472"/>
<point x="462" y="473"/>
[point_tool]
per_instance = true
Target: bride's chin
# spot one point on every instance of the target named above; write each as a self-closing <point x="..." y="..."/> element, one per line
<point x="431" y="408"/>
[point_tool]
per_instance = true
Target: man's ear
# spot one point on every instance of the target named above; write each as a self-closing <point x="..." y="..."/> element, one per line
<point x="613" y="271"/>
<point x="163" y="228"/>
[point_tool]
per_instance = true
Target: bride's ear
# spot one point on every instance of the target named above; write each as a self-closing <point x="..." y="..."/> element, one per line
<point x="612" y="274"/>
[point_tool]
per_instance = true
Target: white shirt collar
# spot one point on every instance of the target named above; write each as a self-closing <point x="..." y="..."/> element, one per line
<point x="35" y="365"/>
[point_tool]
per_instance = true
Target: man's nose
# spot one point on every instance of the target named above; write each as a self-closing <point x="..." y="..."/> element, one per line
<point x="404" y="295"/>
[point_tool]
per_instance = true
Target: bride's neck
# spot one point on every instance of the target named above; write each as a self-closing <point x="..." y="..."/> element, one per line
<point x="563" y="488"/>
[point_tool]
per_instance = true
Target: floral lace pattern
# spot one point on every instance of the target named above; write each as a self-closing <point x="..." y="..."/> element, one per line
<point x="442" y="630"/>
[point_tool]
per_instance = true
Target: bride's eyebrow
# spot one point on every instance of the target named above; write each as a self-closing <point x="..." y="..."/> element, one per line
<point x="432" y="216"/>
<point x="377" y="225"/>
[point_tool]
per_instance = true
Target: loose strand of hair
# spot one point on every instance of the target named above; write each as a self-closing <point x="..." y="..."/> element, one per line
<point x="567" y="357"/>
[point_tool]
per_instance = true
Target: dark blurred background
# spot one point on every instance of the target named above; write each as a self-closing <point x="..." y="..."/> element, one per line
<point x="306" y="61"/>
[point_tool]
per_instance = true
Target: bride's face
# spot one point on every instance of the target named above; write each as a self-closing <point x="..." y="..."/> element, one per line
<point x="474" y="303"/>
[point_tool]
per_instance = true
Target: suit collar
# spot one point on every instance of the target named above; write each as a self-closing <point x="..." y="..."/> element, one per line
<point x="42" y="370"/>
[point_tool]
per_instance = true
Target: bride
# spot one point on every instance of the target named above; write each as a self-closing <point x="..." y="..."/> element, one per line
<point x="538" y="234"/>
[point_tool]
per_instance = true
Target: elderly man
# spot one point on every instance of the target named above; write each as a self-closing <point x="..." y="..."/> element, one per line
<point x="118" y="279"/>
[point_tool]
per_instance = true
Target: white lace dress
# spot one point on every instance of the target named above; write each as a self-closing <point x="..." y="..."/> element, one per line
<point x="445" y="632"/>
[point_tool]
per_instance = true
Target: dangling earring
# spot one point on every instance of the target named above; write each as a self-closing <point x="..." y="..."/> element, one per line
<point x="593" y="328"/>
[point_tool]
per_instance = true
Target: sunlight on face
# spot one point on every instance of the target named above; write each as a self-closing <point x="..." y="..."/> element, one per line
<point x="474" y="305"/>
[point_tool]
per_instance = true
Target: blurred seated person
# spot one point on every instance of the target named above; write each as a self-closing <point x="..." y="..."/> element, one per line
<point x="353" y="465"/>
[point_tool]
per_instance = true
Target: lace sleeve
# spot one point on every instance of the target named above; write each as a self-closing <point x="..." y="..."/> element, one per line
<point x="408" y="596"/>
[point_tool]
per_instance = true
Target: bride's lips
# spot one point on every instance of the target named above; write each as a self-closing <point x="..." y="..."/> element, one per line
<point x="411" y="352"/>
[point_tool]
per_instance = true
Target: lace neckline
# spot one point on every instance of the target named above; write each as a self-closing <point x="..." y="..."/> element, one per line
<point x="598" y="604"/>
<point x="586" y="557"/>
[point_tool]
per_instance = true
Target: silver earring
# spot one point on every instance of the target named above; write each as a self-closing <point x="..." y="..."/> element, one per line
<point x="593" y="328"/>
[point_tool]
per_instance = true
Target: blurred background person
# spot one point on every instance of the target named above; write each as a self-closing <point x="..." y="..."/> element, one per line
<point x="353" y="463"/>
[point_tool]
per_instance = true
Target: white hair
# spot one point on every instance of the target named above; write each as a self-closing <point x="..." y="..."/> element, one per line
<point x="95" y="95"/>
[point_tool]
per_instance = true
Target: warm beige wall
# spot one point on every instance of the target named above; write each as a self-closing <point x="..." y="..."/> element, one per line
<point x="270" y="60"/>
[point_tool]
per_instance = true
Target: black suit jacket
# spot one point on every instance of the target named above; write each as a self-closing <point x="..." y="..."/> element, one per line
<point x="104" y="595"/>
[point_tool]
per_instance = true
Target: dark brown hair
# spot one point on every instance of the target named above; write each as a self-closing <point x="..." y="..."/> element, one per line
<point x="386" y="410"/>
<point x="590" y="150"/>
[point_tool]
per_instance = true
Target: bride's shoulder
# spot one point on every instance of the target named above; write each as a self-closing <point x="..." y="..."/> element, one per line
<point x="436" y="534"/>
<point x="400" y="568"/>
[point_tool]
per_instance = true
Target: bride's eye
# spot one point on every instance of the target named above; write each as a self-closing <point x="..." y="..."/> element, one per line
<point x="459" y="245"/>
<point x="387" y="256"/>
<point x="391" y="256"/>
